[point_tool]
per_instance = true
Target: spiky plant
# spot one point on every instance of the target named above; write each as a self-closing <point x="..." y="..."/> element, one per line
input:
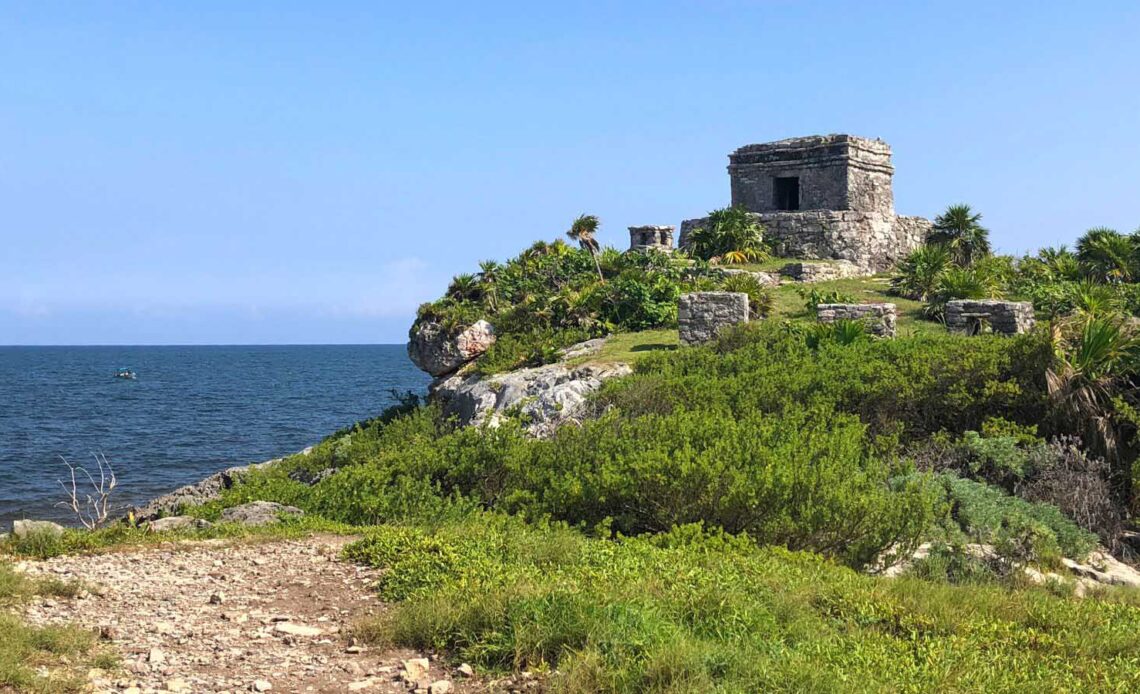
<point x="1107" y="255"/>
<point x="1093" y="359"/>
<point x="959" y="229"/>
<point x="465" y="287"/>
<point x="920" y="272"/>
<point x="731" y="234"/>
<point x="584" y="230"/>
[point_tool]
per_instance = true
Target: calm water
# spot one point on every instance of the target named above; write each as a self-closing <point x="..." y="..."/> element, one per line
<point x="192" y="411"/>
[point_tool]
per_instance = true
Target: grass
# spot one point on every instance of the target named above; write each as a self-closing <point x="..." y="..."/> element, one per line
<point x="689" y="611"/>
<point x="788" y="304"/>
<point x="627" y="347"/>
<point x="122" y="536"/>
<point x="41" y="659"/>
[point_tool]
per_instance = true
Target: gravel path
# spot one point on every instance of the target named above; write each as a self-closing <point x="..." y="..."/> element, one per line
<point x="219" y="616"/>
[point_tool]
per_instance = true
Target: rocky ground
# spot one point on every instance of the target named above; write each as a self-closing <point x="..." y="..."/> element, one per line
<point x="220" y="616"/>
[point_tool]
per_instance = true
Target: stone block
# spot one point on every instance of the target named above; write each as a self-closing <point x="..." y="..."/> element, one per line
<point x="879" y="318"/>
<point x="973" y="317"/>
<point x="701" y="315"/>
<point x="651" y="237"/>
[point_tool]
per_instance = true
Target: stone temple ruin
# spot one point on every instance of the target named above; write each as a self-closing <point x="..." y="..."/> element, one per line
<point x="646" y="237"/>
<point x="974" y="317"/>
<point x="824" y="197"/>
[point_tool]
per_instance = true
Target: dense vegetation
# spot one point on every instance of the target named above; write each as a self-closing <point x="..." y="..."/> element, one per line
<point x="553" y="295"/>
<point x="711" y="527"/>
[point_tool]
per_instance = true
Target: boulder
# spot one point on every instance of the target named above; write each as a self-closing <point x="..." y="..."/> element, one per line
<point x="24" y="528"/>
<point x="206" y="490"/>
<point x="437" y="351"/>
<point x="544" y="396"/>
<point x="259" y="513"/>
<point x="176" y="523"/>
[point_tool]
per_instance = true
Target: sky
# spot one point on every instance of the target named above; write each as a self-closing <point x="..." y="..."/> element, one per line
<point x="309" y="172"/>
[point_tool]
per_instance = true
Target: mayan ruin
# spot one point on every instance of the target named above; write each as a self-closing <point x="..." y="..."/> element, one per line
<point x="823" y="197"/>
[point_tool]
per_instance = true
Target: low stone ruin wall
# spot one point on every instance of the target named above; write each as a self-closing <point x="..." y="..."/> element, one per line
<point x="874" y="243"/>
<point x="879" y="318"/>
<point x="822" y="272"/>
<point x="701" y="315"/>
<point x="971" y="317"/>
<point x="656" y="237"/>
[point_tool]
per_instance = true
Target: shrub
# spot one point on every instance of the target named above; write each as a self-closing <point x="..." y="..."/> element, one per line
<point x="731" y="234"/>
<point x="695" y="610"/>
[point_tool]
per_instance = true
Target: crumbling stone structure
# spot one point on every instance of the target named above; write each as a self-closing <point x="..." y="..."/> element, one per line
<point x="647" y="237"/>
<point x="821" y="272"/>
<point x="970" y="317"/>
<point x="824" y="196"/>
<point x="701" y="315"/>
<point x="879" y="318"/>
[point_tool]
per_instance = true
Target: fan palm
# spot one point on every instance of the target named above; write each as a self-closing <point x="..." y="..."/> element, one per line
<point x="1090" y="369"/>
<point x="583" y="231"/>
<point x="920" y="272"/>
<point x="1107" y="255"/>
<point x="489" y="272"/>
<point x="959" y="229"/>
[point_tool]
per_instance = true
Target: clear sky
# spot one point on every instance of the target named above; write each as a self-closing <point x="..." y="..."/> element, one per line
<point x="308" y="172"/>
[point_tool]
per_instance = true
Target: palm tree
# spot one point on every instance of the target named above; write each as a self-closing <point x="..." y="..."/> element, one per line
<point x="489" y="272"/>
<point x="1107" y="255"/>
<point x="1093" y="359"/>
<point x="921" y="271"/>
<point x="583" y="230"/>
<point x="959" y="230"/>
<point x="464" y="287"/>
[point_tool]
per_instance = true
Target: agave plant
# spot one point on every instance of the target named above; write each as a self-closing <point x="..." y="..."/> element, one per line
<point x="1093" y="360"/>
<point x="843" y="332"/>
<point x="1107" y="255"/>
<point x="959" y="229"/>
<point x="583" y="230"/>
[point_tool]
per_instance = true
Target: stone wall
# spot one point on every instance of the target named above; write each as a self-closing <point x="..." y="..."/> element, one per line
<point x="879" y="318"/>
<point x="821" y="272"/>
<point x="650" y="236"/>
<point x="972" y="317"/>
<point x="701" y="315"/>
<point x="835" y="172"/>
<point x="873" y="243"/>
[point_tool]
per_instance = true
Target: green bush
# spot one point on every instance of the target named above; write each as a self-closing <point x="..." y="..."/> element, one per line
<point x="690" y="610"/>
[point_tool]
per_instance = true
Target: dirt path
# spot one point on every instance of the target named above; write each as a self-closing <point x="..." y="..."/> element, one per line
<point x="234" y="617"/>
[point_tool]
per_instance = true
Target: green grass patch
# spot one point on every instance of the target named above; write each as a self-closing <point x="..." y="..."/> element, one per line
<point x="122" y="536"/>
<point x="629" y="347"/>
<point x="689" y="611"/>
<point x="27" y="652"/>
<point x="789" y="304"/>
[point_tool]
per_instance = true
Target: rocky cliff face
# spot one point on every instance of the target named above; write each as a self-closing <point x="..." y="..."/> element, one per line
<point x="434" y="350"/>
<point x="546" y="397"/>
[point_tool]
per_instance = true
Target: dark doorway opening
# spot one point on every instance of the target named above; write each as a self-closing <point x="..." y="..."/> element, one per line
<point x="787" y="193"/>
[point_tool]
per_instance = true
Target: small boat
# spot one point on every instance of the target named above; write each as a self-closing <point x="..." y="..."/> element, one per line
<point x="126" y="373"/>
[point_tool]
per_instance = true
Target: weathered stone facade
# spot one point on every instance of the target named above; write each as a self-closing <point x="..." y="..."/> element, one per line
<point x="646" y="237"/>
<point x="879" y="318"/>
<point x="971" y="317"/>
<point x="701" y="315"/>
<point x="821" y="272"/>
<point x="823" y="197"/>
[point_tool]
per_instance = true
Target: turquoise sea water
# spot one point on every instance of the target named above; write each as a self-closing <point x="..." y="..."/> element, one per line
<point x="191" y="412"/>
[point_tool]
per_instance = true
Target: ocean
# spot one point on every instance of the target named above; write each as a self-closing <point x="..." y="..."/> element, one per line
<point x="191" y="412"/>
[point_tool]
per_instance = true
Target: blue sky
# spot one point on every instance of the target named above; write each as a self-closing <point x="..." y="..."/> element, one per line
<point x="279" y="172"/>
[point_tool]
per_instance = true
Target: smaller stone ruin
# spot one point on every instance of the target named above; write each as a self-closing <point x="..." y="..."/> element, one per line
<point x="821" y="272"/>
<point x="702" y="315"/>
<point x="971" y="317"/>
<point x="644" y="238"/>
<point x="879" y="318"/>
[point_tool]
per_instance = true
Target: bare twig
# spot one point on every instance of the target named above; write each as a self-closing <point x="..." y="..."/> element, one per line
<point x="92" y="511"/>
